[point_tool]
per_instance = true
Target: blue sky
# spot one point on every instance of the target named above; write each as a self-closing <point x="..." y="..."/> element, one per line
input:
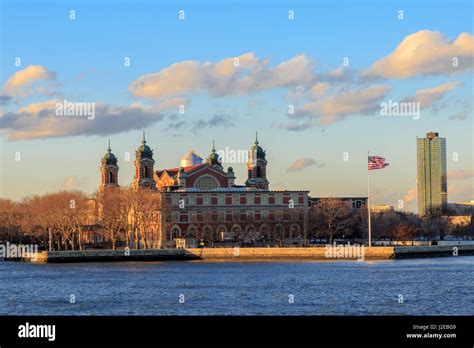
<point x="83" y="60"/>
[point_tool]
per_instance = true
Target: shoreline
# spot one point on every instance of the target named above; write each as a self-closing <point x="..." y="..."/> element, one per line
<point x="248" y="254"/>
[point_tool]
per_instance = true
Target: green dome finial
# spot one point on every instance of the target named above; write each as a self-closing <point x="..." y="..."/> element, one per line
<point x="109" y="157"/>
<point x="144" y="149"/>
<point x="213" y="158"/>
<point x="257" y="148"/>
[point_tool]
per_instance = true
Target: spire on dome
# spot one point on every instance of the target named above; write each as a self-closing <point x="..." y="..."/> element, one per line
<point x="109" y="157"/>
<point x="257" y="149"/>
<point x="144" y="149"/>
<point x="213" y="158"/>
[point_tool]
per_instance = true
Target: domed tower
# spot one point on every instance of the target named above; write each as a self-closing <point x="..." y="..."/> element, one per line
<point x="144" y="163"/>
<point x="257" y="167"/>
<point x="108" y="170"/>
<point x="191" y="158"/>
<point x="213" y="159"/>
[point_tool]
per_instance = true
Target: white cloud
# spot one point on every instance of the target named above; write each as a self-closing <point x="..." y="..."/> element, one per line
<point x="224" y="77"/>
<point x="302" y="163"/>
<point x="319" y="88"/>
<point x="411" y="195"/>
<point x="460" y="174"/>
<point x="39" y="120"/>
<point x="427" y="97"/>
<point x="73" y="183"/>
<point x="459" y="116"/>
<point x="334" y="107"/>
<point x="22" y="82"/>
<point x="426" y="53"/>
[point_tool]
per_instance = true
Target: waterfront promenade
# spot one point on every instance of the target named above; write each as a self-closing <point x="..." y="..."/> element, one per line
<point x="250" y="254"/>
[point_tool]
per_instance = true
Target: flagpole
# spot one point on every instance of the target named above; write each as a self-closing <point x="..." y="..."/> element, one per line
<point x="368" y="202"/>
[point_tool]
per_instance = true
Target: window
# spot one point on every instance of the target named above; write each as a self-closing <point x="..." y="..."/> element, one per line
<point x="235" y="216"/>
<point x="206" y="182"/>
<point x="294" y="216"/>
<point x="259" y="172"/>
<point x="221" y="216"/>
<point x="278" y="199"/>
<point x="220" y="199"/>
<point x="279" y="216"/>
<point x="175" y="217"/>
<point x="174" y="200"/>
<point x="250" y="216"/>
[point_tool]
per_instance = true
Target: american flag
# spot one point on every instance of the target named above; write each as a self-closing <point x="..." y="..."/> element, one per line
<point x="377" y="162"/>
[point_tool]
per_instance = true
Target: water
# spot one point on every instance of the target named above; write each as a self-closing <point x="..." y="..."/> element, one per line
<point x="428" y="286"/>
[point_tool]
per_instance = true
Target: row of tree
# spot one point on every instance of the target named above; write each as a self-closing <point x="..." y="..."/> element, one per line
<point x="130" y="218"/>
<point x="62" y="217"/>
<point x="332" y="219"/>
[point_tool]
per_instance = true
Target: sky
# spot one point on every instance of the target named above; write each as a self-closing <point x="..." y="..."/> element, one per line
<point x="310" y="76"/>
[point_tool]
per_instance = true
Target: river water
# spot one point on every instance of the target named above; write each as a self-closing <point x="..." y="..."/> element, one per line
<point x="404" y="287"/>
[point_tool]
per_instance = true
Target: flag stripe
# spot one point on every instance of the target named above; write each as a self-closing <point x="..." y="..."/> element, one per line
<point x="376" y="162"/>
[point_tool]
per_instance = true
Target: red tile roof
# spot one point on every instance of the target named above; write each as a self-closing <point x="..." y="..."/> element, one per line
<point x="173" y="171"/>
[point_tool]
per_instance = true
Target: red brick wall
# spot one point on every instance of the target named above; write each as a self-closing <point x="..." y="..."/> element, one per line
<point x="193" y="177"/>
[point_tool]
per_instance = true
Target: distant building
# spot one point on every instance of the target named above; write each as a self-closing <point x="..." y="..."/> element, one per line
<point x="381" y="208"/>
<point x="461" y="208"/>
<point x="353" y="202"/>
<point x="431" y="174"/>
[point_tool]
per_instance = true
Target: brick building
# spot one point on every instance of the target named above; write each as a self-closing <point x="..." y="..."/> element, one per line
<point x="207" y="206"/>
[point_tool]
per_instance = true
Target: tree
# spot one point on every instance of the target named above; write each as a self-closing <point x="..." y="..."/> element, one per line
<point x="114" y="210"/>
<point x="332" y="217"/>
<point x="147" y="211"/>
<point x="404" y="231"/>
<point x="150" y="217"/>
<point x="278" y="234"/>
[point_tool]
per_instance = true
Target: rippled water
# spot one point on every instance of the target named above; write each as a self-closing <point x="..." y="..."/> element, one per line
<point x="428" y="286"/>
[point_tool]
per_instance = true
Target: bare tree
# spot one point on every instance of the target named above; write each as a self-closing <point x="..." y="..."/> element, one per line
<point x="114" y="211"/>
<point x="404" y="232"/>
<point x="331" y="217"/>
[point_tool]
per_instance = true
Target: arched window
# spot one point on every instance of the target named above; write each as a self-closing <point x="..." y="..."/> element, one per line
<point x="175" y="232"/>
<point x="206" y="182"/>
<point x="259" y="172"/>
<point x="146" y="171"/>
<point x="111" y="178"/>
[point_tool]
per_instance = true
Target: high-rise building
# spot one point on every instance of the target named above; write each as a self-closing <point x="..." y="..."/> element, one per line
<point x="431" y="174"/>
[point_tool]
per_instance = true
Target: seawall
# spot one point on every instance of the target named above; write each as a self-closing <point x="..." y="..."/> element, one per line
<point x="249" y="254"/>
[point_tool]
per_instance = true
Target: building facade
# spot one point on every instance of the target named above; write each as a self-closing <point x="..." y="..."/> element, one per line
<point x="353" y="203"/>
<point x="431" y="174"/>
<point x="461" y="208"/>
<point x="202" y="203"/>
<point x="381" y="208"/>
